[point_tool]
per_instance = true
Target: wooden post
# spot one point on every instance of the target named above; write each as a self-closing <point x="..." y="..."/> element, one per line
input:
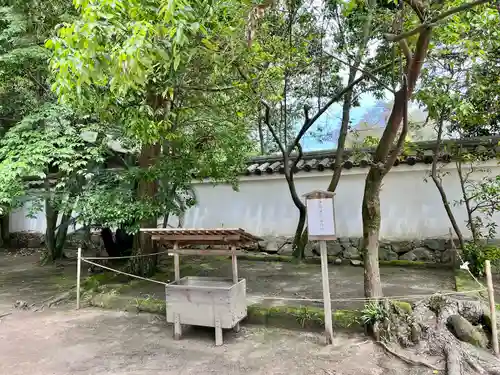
<point x="78" y="274"/>
<point x="177" y="269"/>
<point x="493" y="313"/>
<point x="218" y="333"/>
<point x="234" y="262"/>
<point x="321" y="227"/>
<point x="326" y="293"/>
<point x="177" y="326"/>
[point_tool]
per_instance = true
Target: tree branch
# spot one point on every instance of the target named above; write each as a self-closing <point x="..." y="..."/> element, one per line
<point x="439" y="183"/>
<point x="433" y="21"/>
<point x="406" y="51"/>
<point x="404" y="131"/>
<point x="208" y="89"/>
<point x="367" y="73"/>
<point x="418" y="8"/>
<point x="307" y="125"/>
<point x="267" y="121"/>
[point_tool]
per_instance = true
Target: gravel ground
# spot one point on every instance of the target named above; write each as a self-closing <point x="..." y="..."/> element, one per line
<point x="91" y="341"/>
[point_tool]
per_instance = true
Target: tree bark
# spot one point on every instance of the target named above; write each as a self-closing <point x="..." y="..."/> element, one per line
<point x="261" y="133"/>
<point x="50" y="230"/>
<point x="62" y="233"/>
<point x="439" y="186"/>
<point x="4" y="230"/>
<point x="344" y="127"/>
<point x="147" y="190"/>
<point x="383" y="161"/>
<point x="470" y="218"/>
<point x="371" y="231"/>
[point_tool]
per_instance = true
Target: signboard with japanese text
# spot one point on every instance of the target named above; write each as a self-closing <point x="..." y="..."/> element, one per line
<point x="320" y="218"/>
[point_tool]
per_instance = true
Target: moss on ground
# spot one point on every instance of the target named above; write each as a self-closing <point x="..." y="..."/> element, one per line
<point x="383" y="263"/>
<point x="404" y="306"/>
<point x="305" y="317"/>
<point x="464" y="282"/>
<point x="413" y="264"/>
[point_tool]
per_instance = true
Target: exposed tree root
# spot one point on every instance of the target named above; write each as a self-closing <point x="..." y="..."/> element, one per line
<point x="408" y="360"/>
<point x="455" y="330"/>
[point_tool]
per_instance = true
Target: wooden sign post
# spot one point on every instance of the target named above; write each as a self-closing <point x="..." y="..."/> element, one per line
<point x="321" y="227"/>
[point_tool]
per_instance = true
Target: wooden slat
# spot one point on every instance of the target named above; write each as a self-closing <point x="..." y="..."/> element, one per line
<point x="199" y="238"/>
<point x="203" y="252"/>
<point x="201" y="235"/>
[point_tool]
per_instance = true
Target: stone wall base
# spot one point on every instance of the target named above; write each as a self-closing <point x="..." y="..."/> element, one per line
<point x="32" y="240"/>
<point x="436" y="250"/>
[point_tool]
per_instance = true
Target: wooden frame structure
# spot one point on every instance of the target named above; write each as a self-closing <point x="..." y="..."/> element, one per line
<point x="227" y="241"/>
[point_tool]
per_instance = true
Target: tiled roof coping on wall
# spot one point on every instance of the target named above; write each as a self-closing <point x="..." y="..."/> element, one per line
<point x="421" y="152"/>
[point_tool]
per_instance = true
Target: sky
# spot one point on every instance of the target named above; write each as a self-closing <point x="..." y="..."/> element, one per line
<point x="330" y="121"/>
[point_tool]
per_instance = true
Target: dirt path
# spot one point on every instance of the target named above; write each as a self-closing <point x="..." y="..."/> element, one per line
<point x="66" y="342"/>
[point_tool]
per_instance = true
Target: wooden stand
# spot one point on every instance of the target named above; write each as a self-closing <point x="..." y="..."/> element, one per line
<point x="211" y="302"/>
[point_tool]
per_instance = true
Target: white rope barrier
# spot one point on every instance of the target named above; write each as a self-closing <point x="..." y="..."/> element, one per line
<point x="464" y="266"/>
<point x="127" y="256"/>
<point x="123" y="273"/>
<point x="353" y="299"/>
<point x="364" y="299"/>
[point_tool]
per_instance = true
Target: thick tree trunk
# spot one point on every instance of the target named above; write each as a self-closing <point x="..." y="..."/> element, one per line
<point x="298" y="244"/>
<point x="87" y="238"/>
<point x="4" y="231"/>
<point x="299" y="240"/>
<point x="383" y="160"/>
<point x="147" y="189"/>
<point x="62" y="233"/>
<point x="50" y="231"/>
<point x="371" y="232"/>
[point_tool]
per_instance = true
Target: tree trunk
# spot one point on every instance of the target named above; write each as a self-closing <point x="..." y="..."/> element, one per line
<point x="50" y="231"/>
<point x="299" y="240"/>
<point x="261" y="132"/>
<point x="470" y="218"/>
<point x="87" y="238"/>
<point x="371" y="232"/>
<point x="146" y="266"/>
<point x="383" y="160"/>
<point x="439" y="186"/>
<point x="4" y="231"/>
<point x="62" y="233"/>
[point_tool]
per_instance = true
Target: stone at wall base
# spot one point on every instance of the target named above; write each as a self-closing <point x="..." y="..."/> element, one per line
<point x="349" y="248"/>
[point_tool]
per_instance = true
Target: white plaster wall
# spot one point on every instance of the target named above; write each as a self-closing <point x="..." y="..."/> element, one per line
<point x="411" y="208"/>
<point x="21" y="222"/>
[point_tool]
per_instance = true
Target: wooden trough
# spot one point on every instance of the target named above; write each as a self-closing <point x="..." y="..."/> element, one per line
<point x="205" y="301"/>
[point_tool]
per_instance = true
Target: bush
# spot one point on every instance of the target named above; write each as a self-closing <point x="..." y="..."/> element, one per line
<point x="476" y="254"/>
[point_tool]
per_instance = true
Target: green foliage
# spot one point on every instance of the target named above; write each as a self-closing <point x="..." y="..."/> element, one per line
<point x="33" y="130"/>
<point x="461" y="79"/>
<point x="47" y="140"/>
<point x="372" y="312"/>
<point x="477" y="253"/>
<point x="159" y="74"/>
<point x="131" y="60"/>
